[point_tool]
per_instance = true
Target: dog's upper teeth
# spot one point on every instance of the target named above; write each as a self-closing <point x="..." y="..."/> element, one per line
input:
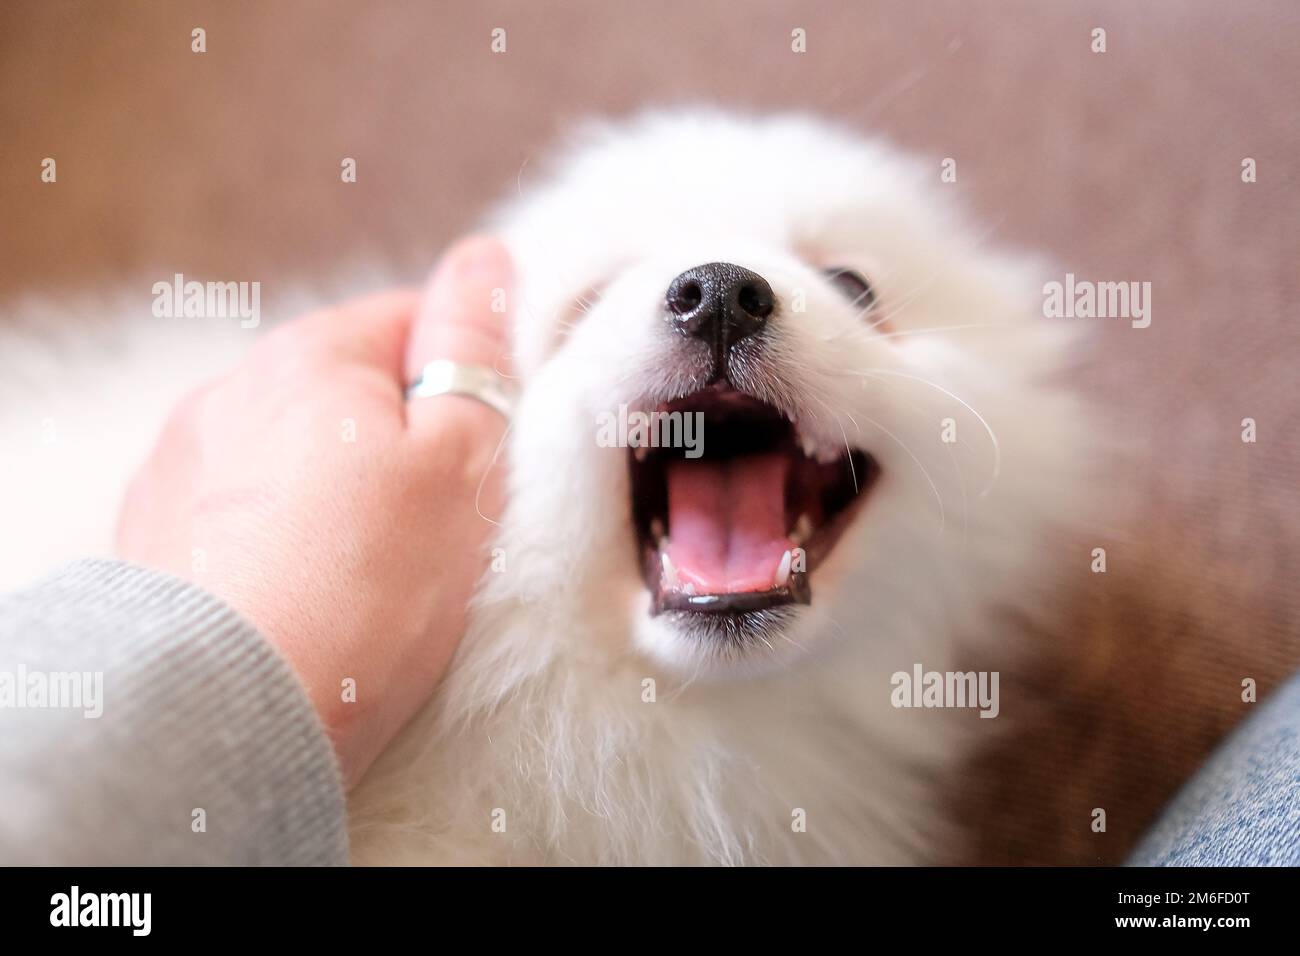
<point x="640" y="452"/>
<point x="827" y="456"/>
<point x="783" y="570"/>
<point x="803" y="529"/>
<point x="809" y="446"/>
<point x="670" y="579"/>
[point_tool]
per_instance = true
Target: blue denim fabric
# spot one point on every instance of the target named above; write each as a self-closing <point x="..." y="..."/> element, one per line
<point x="1243" y="807"/>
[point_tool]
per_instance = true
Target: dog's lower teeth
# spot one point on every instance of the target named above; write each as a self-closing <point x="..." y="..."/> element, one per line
<point x="783" y="570"/>
<point x="656" y="530"/>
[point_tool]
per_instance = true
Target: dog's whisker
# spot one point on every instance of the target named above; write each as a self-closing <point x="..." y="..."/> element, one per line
<point x="790" y="640"/>
<point x="848" y="448"/>
<point x="942" y="328"/>
<point x="901" y="302"/>
<point x="933" y="487"/>
<point x="997" y="448"/>
<point x="478" y="493"/>
<point x="519" y="177"/>
<point x="921" y="412"/>
<point x="891" y="93"/>
<point x="856" y="426"/>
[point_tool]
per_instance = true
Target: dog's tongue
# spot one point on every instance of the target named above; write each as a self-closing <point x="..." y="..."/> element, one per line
<point x="726" y="522"/>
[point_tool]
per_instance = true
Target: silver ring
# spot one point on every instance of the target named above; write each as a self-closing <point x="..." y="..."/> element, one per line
<point x="445" y="377"/>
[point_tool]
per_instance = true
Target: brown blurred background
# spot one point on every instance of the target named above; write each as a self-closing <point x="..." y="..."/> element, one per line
<point x="1124" y="166"/>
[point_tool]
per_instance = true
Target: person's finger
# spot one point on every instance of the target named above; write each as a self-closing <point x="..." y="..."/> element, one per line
<point x="372" y="330"/>
<point x="461" y="317"/>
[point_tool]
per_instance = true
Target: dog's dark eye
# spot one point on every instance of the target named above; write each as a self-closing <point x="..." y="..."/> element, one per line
<point x="854" y="286"/>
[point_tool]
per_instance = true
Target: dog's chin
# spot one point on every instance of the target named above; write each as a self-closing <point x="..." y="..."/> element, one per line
<point x="724" y="647"/>
<point x="730" y="541"/>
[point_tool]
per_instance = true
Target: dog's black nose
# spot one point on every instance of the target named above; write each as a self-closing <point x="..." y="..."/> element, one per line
<point x="719" y="302"/>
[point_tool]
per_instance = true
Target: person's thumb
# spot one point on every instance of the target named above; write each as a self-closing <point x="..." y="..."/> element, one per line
<point x="462" y="317"/>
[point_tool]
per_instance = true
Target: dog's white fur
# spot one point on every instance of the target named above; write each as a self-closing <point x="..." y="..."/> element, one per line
<point x="576" y="728"/>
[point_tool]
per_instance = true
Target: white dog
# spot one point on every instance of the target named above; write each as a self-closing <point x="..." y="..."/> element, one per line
<point x="687" y="655"/>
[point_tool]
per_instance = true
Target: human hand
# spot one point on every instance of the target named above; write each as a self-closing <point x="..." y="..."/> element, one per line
<point x="339" y="519"/>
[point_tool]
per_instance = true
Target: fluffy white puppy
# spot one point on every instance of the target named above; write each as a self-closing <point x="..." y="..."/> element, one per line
<point x="685" y="655"/>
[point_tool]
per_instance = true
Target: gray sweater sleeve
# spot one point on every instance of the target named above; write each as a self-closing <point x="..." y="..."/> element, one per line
<point x="143" y="722"/>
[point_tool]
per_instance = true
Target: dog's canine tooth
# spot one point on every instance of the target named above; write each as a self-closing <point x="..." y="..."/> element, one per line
<point x="656" y="530"/>
<point x="783" y="570"/>
<point x="809" y="445"/>
<point x="670" y="579"/>
<point x="641" y="452"/>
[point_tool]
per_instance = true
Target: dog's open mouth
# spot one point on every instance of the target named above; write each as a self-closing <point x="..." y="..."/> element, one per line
<point x="739" y="527"/>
